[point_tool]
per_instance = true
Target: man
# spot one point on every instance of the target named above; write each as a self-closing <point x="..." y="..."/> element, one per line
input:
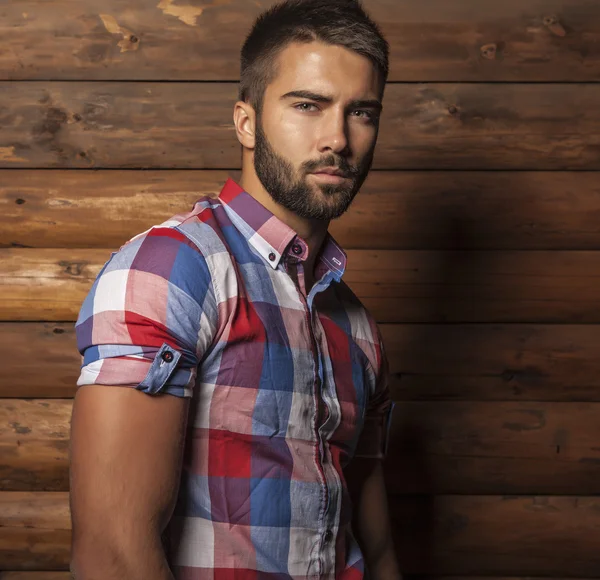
<point x="249" y="410"/>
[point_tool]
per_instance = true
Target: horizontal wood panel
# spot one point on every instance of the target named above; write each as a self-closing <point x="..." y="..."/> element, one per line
<point x="527" y="40"/>
<point x="494" y="535"/>
<point x="494" y="361"/>
<point x="397" y="286"/>
<point x="435" y="447"/>
<point x="395" y="210"/>
<point x="522" y="362"/>
<point x="442" y="535"/>
<point x="35" y="531"/>
<point x="173" y="125"/>
<point x="34" y="444"/>
<point x="494" y="448"/>
<point x="42" y="360"/>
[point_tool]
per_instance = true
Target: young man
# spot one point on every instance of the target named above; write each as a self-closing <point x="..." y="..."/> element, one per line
<point x="246" y="438"/>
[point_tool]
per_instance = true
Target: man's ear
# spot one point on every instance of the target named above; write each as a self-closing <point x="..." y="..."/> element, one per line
<point x="244" y="119"/>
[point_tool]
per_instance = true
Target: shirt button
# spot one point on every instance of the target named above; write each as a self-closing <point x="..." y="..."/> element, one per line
<point x="272" y="257"/>
<point x="328" y="536"/>
<point x="297" y="249"/>
<point x="167" y="356"/>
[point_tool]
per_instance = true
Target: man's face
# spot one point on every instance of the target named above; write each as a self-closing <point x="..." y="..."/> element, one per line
<point x="320" y="115"/>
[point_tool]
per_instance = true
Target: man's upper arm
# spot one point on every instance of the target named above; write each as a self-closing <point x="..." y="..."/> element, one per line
<point x="126" y="450"/>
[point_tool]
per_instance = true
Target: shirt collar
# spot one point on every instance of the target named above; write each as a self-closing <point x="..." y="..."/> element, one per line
<point x="270" y="237"/>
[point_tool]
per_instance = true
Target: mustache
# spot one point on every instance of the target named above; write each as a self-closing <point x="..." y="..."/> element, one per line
<point x="331" y="161"/>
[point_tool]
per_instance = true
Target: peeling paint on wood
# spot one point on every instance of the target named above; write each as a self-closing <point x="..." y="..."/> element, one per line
<point x="129" y="42"/>
<point x="187" y="14"/>
<point x="8" y="154"/>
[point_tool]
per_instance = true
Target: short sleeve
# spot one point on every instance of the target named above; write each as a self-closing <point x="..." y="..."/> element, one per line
<point x="374" y="438"/>
<point x="149" y="317"/>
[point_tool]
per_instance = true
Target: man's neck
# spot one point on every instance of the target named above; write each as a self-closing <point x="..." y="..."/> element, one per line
<point x="313" y="232"/>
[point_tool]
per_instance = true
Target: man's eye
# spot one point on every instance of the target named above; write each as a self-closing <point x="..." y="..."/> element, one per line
<point x="305" y="106"/>
<point x="364" y="114"/>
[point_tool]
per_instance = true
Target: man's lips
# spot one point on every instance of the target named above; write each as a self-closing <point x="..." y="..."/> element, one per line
<point x="330" y="171"/>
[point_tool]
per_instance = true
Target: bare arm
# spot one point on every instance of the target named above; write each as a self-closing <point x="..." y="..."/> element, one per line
<point x="126" y="450"/>
<point x="371" y="521"/>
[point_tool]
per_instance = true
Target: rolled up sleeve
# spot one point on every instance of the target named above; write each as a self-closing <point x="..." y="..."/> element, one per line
<point x="149" y="317"/>
<point x="374" y="438"/>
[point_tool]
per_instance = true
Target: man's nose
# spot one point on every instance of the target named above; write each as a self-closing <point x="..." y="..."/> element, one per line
<point x="334" y="135"/>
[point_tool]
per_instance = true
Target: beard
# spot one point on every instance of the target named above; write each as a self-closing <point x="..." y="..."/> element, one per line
<point x="319" y="201"/>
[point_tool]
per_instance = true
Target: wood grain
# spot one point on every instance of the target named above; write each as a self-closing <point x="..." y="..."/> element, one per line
<point x="42" y="358"/>
<point x="34" y="444"/>
<point x="395" y="285"/>
<point x="440" y="535"/>
<point x="496" y="535"/>
<point x="35" y="531"/>
<point x="493" y="362"/>
<point x="469" y="447"/>
<point x="524" y="40"/>
<point x="396" y="210"/>
<point x="172" y="125"/>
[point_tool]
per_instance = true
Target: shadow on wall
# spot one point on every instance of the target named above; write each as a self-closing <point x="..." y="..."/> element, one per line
<point x="441" y="360"/>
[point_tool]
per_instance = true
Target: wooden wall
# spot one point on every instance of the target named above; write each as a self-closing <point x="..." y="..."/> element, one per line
<point x="476" y="242"/>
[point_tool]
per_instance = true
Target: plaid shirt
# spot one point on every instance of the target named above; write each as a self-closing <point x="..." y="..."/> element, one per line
<point x="286" y="387"/>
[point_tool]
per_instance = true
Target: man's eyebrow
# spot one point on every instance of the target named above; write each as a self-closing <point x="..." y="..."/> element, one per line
<point x="368" y="104"/>
<point x="317" y="97"/>
<point x="308" y="95"/>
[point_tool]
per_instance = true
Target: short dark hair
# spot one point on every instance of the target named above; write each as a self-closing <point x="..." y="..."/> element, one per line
<point x="337" y="22"/>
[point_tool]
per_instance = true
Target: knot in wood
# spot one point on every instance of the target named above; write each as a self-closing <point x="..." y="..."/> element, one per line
<point x="553" y="24"/>
<point x="489" y="51"/>
<point x="72" y="268"/>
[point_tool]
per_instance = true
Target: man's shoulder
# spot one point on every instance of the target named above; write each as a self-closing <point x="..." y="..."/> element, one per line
<point x="182" y="249"/>
<point x="198" y="229"/>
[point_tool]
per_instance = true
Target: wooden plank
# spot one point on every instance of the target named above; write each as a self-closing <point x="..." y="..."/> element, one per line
<point x="397" y="286"/>
<point x="171" y="125"/>
<point x="495" y="535"/>
<point x="437" y="447"/>
<point x="473" y="286"/>
<point x="441" y="535"/>
<point x="35" y="531"/>
<point x="46" y="284"/>
<point x="494" y="362"/>
<point x="525" y="362"/>
<point x="433" y="40"/>
<point x="43" y="358"/>
<point x="496" y="447"/>
<point x="34" y="444"/>
<point x="395" y="209"/>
